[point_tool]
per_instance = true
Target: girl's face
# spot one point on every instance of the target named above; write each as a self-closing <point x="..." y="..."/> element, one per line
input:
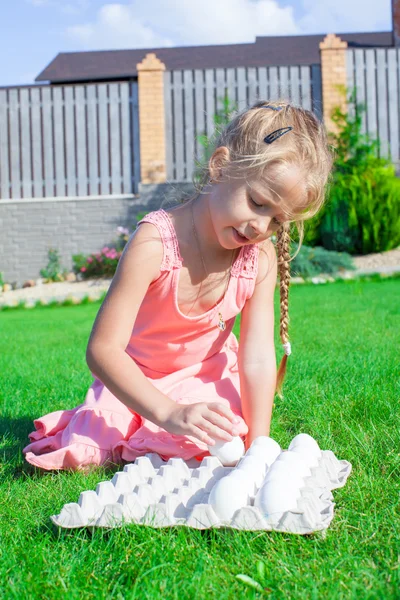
<point x="250" y="211"/>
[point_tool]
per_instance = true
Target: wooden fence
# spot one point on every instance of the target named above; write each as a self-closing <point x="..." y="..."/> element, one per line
<point x="192" y="97"/>
<point x="69" y="140"/>
<point x="375" y="73"/>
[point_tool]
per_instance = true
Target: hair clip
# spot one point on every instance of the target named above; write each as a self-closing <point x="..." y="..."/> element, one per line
<point x="272" y="107"/>
<point x="271" y="137"/>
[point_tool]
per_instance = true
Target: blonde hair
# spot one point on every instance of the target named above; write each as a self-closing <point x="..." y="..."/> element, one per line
<point x="306" y="146"/>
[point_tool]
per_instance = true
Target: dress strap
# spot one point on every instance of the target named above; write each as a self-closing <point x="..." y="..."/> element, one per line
<point x="246" y="264"/>
<point x="172" y="258"/>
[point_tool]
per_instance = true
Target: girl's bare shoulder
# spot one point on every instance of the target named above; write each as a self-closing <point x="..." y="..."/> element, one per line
<point x="267" y="260"/>
<point x="137" y="268"/>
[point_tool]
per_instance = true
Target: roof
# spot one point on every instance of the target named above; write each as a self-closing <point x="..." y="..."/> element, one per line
<point x="266" y="50"/>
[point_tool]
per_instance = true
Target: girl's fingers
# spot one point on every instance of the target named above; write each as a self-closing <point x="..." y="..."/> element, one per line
<point x="221" y="422"/>
<point x="202" y="435"/>
<point x="214" y="431"/>
<point x="223" y="410"/>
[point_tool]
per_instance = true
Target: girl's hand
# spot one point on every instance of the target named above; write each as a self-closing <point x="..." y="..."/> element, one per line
<point x="203" y="420"/>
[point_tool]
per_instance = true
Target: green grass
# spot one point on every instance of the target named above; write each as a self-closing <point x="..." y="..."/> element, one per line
<point x="342" y="387"/>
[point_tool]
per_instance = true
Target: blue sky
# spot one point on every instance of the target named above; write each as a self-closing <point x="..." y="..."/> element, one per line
<point x="34" y="31"/>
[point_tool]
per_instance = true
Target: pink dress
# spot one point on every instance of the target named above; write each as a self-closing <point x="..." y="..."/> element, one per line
<point x="188" y="358"/>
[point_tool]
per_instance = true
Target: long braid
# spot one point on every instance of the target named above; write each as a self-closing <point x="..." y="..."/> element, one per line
<point x="283" y="246"/>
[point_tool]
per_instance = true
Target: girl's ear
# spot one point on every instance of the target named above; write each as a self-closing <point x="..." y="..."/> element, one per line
<point x="217" y="162"/>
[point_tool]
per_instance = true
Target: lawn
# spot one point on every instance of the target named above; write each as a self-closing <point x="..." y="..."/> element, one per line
<point x="342" y="387"/>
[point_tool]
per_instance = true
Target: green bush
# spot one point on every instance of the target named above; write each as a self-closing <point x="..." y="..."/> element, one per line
<point x="53" y="271"/>
<point x="105" y="262"/>
<point x="310" y="262"/>
<point x="362" y="212"/>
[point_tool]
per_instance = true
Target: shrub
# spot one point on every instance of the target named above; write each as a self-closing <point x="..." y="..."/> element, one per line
<point x="99" y="264"/>
<point x="103" y="263"/>
<point x="314" y="261"/>
<point x="362" y="212"/>
<point x="53" y="271"/>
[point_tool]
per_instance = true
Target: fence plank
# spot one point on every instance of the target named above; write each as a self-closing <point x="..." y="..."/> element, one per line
<point x="134" y="91"/>
<point x="252" y="83"/>
<point x="14" y="144"/>
<point x="199" y="112"/>
<point x="115" y="138"/>
<point x="393" y="98"/>
<point x="231" y="85"/>
<point x="263" y="92"/>
<point x="284" y="90"/>
<point x="294" y="87"/>
<point x="305" y="83"/>
<point x="351" y="83"/>
<point x="168" y="125"/>
<point x="382" y="102"/>
<point x="372" y="127"/>
<point x="242" y="88"/>
<point x="104" y="139"/>
<point x="4" y="154"/>
<point x="178" y="127"/>
<point x="189" y="123"/>
<point x="26" y="175"/>
<point x="92" y="140"/>
<point x="48" y="151"/>
<point x="360" y="84"/>
<point x="69" y="110"/>
<point x="59" y="137"/>
<point x="36" y="144"/>
<point x="316" y="91"/>
<point x="81" y="147"/>
<point x="220" y="88"/>
<point x="126" y="163"/>
<point x="274" y="84"/>
<point x="210" y="102"/>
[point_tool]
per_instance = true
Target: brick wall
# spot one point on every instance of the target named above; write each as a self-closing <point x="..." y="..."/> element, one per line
<point x="152" y="120"/>
<point x="28" y="229"/>
<point x="334" y="76"/>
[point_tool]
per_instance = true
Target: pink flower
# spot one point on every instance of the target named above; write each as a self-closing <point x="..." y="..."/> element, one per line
<point x="83" y="269"/>
<point x="105" y="249"/>
<point x="123" y="230"/>
<point x="90" y="259"/>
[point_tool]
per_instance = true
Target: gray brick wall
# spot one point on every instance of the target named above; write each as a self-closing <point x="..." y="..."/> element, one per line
<point x="29" y="229"/>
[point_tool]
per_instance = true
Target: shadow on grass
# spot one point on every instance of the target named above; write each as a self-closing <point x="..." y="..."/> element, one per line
<point x="14" y="438"/>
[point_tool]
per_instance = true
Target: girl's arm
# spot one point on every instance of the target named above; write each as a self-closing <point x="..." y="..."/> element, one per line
<point x="138" y="267"/>
<point x="256" y="358"/>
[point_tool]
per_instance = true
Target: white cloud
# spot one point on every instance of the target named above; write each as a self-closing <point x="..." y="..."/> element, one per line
<point x="161" y="23"/>
<point x="335" y="16"/>
<point x="164" y="23"/>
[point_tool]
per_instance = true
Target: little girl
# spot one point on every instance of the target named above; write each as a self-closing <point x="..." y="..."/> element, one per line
<point x="169" y="374"/>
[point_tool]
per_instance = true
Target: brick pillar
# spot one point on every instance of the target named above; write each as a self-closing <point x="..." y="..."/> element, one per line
<point x="334" y="76"/>
<point x="152" y="120"/>
<point x="396" y="22"/>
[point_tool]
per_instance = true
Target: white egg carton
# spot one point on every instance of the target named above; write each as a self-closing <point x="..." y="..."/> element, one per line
<point x="164" y="494"/>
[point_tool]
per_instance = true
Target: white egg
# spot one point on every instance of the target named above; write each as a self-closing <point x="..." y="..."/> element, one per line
<point x="288" y="470"/>
<point x="266" y="442"/>
<point x="255" y="468"/>
<point x="304" y="440"/>
<point x="276" y="497"/>
<point x="295" y="461"/>
<point x="228" y="452"/>
<point x="285" y="475"/>
<point x="264" y="453"/>
<point x="308" y="456"/>
<point x="227" y="496"/>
